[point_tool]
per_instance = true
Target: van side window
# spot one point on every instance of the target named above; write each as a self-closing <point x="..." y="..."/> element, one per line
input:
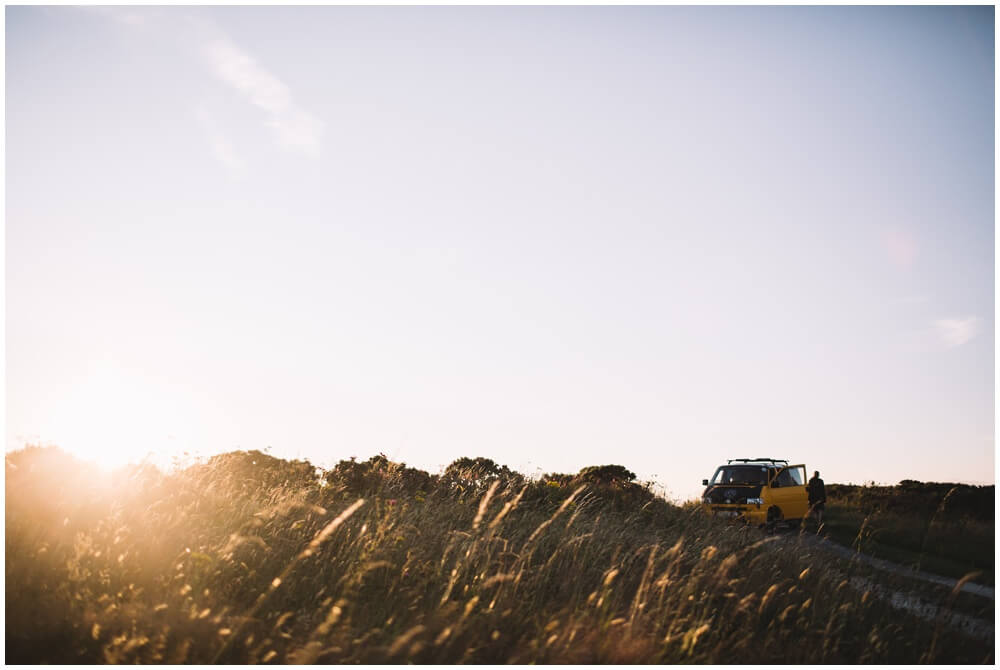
<point x="787" y="478"/>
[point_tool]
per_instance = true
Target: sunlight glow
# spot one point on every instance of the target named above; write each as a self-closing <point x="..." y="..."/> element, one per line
<point x="112" y="417"/>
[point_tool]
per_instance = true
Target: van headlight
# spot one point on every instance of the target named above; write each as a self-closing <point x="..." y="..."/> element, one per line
<point x="754" y="501"/>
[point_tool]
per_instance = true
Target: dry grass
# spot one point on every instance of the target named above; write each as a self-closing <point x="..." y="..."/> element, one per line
<point x="248" y="559"/>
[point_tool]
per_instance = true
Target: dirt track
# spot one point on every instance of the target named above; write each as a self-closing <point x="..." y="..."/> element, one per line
<point x="913" y="602"/>
<point x="896" y="568"/>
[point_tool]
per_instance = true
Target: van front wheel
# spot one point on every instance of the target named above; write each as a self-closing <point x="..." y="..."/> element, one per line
<point x="773" y="517"/>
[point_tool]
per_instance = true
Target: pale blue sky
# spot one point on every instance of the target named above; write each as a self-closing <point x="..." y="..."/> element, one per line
<point x="556" y="237"/>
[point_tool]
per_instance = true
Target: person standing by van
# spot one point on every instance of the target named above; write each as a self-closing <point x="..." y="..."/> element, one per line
<point x="817" y="496"/>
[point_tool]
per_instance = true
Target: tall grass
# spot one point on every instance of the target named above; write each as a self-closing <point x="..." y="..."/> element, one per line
<point x="247" y="559"/>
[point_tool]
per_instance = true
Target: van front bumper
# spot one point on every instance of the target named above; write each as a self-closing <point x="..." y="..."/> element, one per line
<point x="749" y="513"/>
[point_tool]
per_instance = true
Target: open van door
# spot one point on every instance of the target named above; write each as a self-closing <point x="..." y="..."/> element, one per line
<point x="789" y="492"/>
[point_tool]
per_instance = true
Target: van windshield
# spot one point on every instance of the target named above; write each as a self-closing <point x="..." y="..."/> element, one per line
<point x="740" y="475"/>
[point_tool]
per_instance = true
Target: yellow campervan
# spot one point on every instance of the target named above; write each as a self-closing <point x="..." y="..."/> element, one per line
<point x="757" y="490"/>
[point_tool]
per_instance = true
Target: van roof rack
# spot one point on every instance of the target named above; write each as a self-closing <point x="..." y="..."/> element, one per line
<point x="758" y="460"/>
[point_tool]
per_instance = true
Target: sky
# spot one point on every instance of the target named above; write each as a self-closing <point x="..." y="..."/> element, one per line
<point x="552" y="236"/>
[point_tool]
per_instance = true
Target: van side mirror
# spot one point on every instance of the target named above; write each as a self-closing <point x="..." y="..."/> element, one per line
<point x="704" y="482"/>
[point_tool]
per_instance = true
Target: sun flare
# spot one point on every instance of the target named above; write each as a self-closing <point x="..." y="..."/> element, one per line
<point x="111" y="418"/>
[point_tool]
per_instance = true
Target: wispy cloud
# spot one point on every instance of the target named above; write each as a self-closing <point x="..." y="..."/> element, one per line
<point x="955" y="332"/>
<point x="294" y="127"/>
<point x="219" y="144"/>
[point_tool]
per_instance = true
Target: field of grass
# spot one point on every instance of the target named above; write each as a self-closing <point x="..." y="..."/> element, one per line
<point x="947" y="529"/>
<point x="251" y="559"/>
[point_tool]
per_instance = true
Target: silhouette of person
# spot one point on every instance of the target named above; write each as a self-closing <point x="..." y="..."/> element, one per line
<point x="817" y="496"/>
